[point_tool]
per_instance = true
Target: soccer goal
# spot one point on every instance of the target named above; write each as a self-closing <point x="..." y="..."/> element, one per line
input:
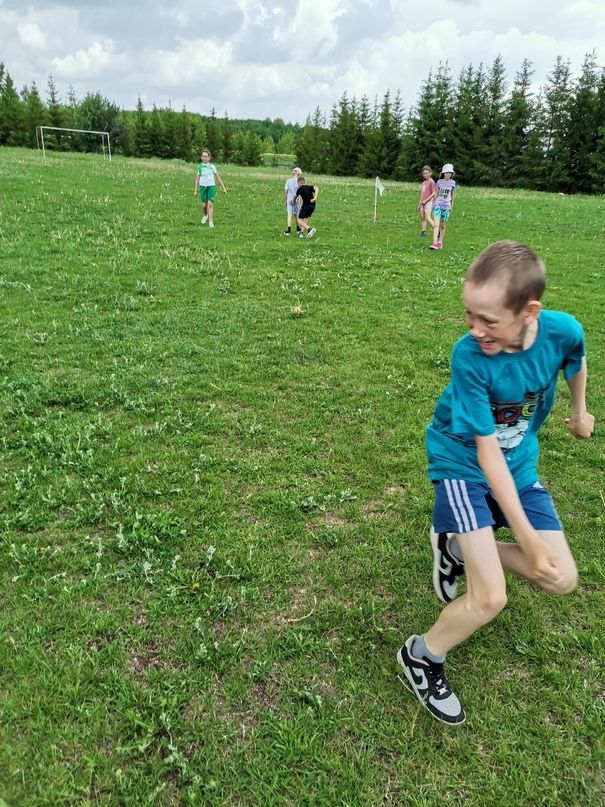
<point x="105" y="142"/>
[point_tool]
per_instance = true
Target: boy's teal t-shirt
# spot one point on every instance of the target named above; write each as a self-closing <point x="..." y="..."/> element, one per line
<point x="509" y="395"/>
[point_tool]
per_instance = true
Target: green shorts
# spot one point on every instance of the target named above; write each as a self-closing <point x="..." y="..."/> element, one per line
<point x="207" y="193"/>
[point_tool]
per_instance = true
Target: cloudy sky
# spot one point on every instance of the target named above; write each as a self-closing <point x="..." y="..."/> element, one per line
<point x="277" y="58"/>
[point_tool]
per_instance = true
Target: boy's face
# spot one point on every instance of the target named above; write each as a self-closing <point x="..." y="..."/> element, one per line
<point x="205" y="157"/>
<point x="496" y="327"/>
<point x="426" y="174"/>
<point x="447" y="175"/>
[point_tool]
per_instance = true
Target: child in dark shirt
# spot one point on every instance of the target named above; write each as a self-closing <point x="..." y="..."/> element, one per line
<point x="308" y="196"/>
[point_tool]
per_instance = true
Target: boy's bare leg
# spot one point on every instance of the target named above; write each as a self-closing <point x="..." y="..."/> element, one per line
<point x="514" y="560"/>
<point x="485" y="593"/>
<point x="443" y="229"/>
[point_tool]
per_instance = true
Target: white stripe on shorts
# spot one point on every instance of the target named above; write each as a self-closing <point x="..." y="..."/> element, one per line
<point x="459" y="501"/>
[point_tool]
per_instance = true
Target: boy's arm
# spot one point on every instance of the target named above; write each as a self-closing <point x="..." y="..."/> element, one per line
<point x="542" y="560"/>
<point x="580" y="423"/>
<point x="315" y="193"/>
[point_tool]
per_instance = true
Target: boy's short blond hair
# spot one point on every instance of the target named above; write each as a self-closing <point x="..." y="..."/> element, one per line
<point x="518" y="268"/>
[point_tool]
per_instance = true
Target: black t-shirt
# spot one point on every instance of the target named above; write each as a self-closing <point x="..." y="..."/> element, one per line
<point x="306" y="193"/>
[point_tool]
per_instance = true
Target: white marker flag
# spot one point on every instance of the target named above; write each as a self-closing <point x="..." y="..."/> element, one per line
<point x="378" y="189"/>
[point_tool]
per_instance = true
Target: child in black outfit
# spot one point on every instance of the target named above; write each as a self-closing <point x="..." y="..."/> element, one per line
<point x="308" y="196"/>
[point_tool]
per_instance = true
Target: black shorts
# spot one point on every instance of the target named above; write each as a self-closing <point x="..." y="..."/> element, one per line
<point x="306" y="211"/>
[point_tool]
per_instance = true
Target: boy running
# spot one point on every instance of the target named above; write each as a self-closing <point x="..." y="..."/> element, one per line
<point x="482" y="447"/>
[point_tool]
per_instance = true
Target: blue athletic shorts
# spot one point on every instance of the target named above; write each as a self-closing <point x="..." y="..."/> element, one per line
<point x="441" y="213"/>
<point x="466" y="506"/>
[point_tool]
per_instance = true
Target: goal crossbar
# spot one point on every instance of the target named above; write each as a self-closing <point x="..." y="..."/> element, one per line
<point x="41" y="129"/>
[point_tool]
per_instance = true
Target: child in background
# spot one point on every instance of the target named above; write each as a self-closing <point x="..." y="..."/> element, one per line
<point x="308" y="196"/>
<point x="290" y="201"/>
<point x="428" y="192"/>
<point x="482" y="447"/>
<point x="444" y="204"/>
<point x="206" y="177"/>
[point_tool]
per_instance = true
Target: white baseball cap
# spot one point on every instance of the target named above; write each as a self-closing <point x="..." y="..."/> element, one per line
<point x="448" y="168"/>
<point x="296" y="171"/>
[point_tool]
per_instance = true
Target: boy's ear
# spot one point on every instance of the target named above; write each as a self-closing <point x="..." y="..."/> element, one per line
<point x="532" y="310"/>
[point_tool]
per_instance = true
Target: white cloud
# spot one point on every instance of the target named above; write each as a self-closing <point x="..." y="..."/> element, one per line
<point x="283" y="57"/>
<point x="31" y="36"/>
<point x="94" y="62"/>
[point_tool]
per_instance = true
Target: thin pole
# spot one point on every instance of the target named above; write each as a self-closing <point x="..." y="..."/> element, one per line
<point x="375" y="201"/>
<point x="108" y="146"/>
<point x="43" y="149"/>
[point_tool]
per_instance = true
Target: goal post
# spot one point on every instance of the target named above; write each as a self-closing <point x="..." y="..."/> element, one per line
<point x="40" y="137"/>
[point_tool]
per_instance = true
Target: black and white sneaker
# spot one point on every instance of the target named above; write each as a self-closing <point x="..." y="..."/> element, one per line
<point x="428" y="682"/>
<point x="446" y="568"/>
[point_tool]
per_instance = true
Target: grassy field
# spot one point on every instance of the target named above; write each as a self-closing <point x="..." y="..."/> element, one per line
<point x="214" y="505"/>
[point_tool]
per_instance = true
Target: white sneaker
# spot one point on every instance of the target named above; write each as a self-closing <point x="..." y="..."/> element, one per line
<point x="311" y="232"/>
<point x="210" y="224"/>
<point x="204" y="219"/>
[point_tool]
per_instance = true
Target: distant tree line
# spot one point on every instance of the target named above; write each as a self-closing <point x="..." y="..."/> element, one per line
<point x="551" y="139"/>
<point x="165" y="133"/>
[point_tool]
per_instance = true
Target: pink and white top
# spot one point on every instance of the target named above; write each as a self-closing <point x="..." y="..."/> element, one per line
<point x="427" y="189"/>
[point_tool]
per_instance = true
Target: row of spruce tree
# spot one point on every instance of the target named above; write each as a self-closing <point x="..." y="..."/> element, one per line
<point x="158" y="132"/>
<point x="511" y="135"/>
<point x="551" y="138"/>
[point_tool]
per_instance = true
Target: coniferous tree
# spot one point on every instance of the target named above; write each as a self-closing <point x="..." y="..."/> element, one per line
<point x="557" y="97"/>
<point x="493" y="129"/>
<point x="371" y="159"/>
<point x="517" y="128"/>
<point x="311" y="145"/>
<point x="226" y="138"/>
<point x="55" y="115"/>
<point x="466" y="126"/>
<point x="532" y="165"/>
<point x="584" y="122"/>
<point x="35" y="115"/>
<point x="389" y="125"/>
<point x="140" y="135"/>
<point x="184" y="137"/>
<point x="213" y="135"/>
<point x="12" y="114"/>
<point x="598" y="158"/>
<point x="199" y="138"/>
<point x="344" y="139"/>
<point x="169" y="129"/>
<point x="156" y="133"/>
<point x="70" y="120"/>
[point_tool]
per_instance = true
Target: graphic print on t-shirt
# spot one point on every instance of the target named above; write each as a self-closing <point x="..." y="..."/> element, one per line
<point x="512" y="418"/>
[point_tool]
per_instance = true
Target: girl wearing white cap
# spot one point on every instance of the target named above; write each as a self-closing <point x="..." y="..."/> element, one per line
<point x="444" y="204"/>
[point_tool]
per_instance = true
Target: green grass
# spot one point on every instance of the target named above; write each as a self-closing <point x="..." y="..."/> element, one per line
<point x="214" y="504"/>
